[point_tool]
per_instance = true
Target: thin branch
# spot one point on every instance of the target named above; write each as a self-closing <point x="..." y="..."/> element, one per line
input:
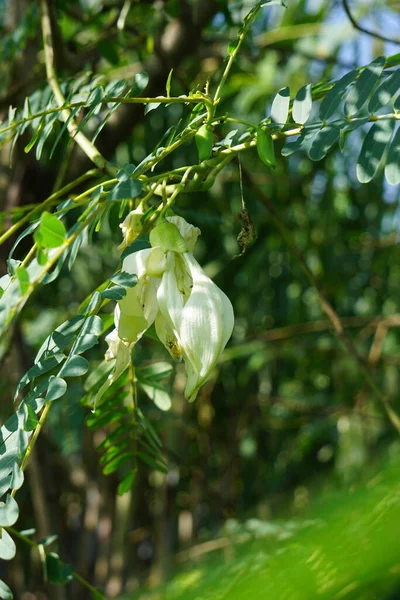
<point x="239" y="40"/>
<point x="33" y="439"/>
<point x="46" y="203"/>
<point x="86" y="145"/>
<point x="364" y="29"/>
<point x="32" y="544"/>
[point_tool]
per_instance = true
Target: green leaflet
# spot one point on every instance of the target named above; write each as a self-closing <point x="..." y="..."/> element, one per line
<point x="387" y="89"/>
<point x="325" y="139"/>
<point x="51" y="232"/>
<point x="280" y="107"/>
<point x="392" y="169"/>
<point x="302" y="105"/>
<point x="373" y="149"/>
<point x="333" y="98"/>
<point x="265" y="148"/>
<point x="361" y="90"/>
<point x="5" y="592"/>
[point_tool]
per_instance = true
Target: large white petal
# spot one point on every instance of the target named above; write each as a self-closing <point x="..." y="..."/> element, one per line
<point x="135" y="263"/>
<point x="206" y="325"/>
<point x="170" y="301"/>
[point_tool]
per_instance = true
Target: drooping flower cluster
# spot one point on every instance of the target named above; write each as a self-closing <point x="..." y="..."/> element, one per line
<point x="193" y="318"/>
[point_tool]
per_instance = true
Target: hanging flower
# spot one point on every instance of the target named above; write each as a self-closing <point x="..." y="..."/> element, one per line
<point x="196" y="319"/>
<point x="193" y="317"/>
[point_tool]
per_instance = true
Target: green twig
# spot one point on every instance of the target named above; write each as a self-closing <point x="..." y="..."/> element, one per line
<point x="33" y="439"/>
<point x="46" y="203"/>
<point x="86" y="145"/>
<point x="239" y="40"/>
<point x="96" y="593"/>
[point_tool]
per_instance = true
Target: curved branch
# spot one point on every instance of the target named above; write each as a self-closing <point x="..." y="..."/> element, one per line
<point x="364" y="29"/>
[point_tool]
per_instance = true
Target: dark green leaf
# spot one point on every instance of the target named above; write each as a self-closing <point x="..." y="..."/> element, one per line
<point x="265" y="148"/>
<point x="17" y="477"/>
<point x="71" y="116"/>
<point x="85" y="342"/>
<point x="115" y="89"/>
<point x="373" y="149"/>
<point x="126" y="280"/>
<point x="51" y="232"/>
<point x="140" y="81"/>
<point x="302" y="105"/>
<point x="384" y="93"/>
<point x="392" y="170"/>
<point x="45" y="364"/>
<point x="32" y="420"/>
<point x="293" y="146"/>
<point x="114" y="293"/>
<point x="99" y="419"/>
<point x="74" y="367"/>
<point x="125" y="190"/>
<point x="280" y="107"/>
<point x="125" y="173"/>
<point x="362" y="89"/>
<point x="113" y="451"/>
<point x="113" y="465"/>
<point x="126" y="483"/>
<point x="57" y="572"/>
<point x="335" y="95"/>
<point x="92" y="325"/>
<point x="156" y="465"/>
<point x="324" y="140"/>
<point x="74" y="249"/>
<point x="44" y="134"/>
<point x="57" y="388"/>
<point x="113" y="108"/>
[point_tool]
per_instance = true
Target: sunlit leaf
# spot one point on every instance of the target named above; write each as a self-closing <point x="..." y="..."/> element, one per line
<point x="74" y="367"/>
<point x="280" y="107"/>
<point x="361" y="90"/>
<point x="7" y="546"/>
<point x="373" y="149"/>
<point x="9" y="512"/>
<point x="392" y="169"/>
<point x="51" y="232"/>
<point x="302" y="105"/>
<point x="331" y="101"/>
<point x="384" y="93"/>
<point x="57" y="388"/>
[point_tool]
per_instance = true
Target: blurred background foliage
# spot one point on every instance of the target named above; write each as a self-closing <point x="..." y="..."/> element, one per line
<point x="288" y="417"/>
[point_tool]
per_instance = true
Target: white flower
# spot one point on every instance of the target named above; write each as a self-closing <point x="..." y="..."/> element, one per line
<point x="193" y="317"/>
<point x="196" y="324"/>
<point x="136" y="312"/>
